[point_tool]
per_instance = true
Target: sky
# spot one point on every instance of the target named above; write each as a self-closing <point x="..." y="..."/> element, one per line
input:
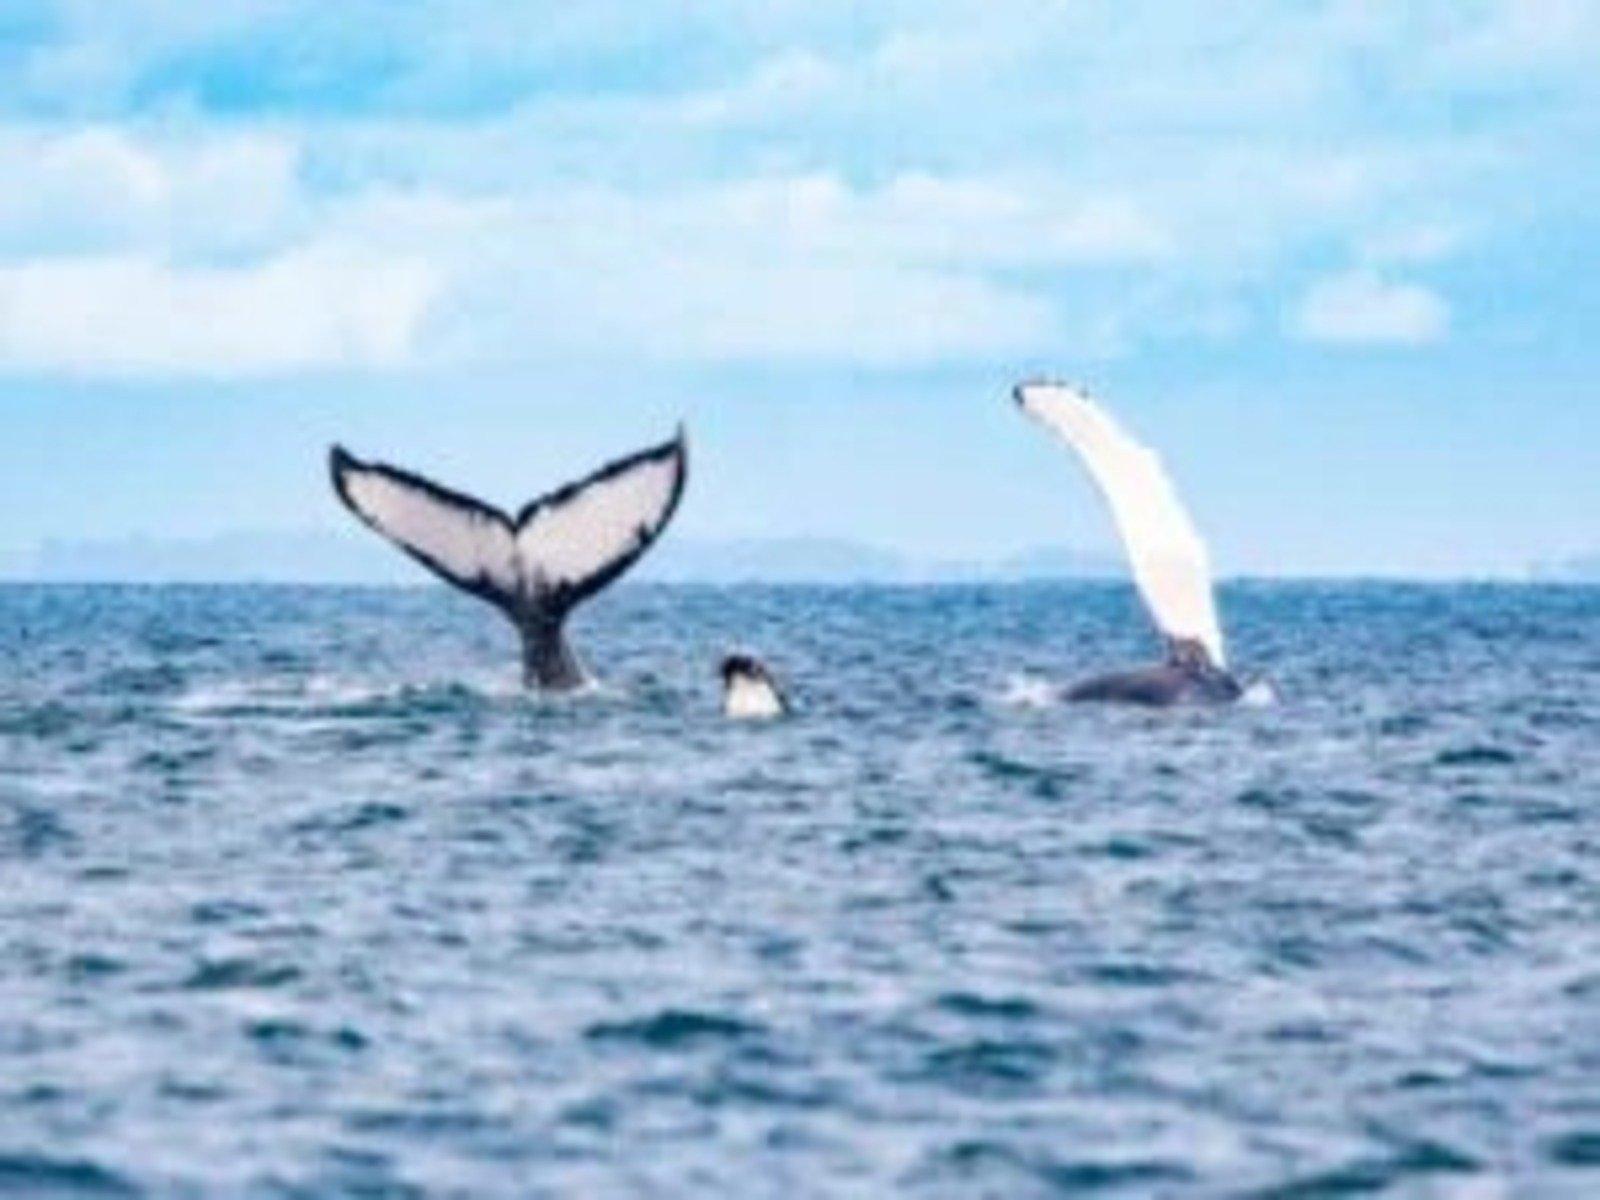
<point x="1339" y="261"/>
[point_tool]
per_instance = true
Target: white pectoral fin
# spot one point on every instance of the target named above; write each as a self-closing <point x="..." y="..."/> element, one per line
<point x="465" y="542"/>
<point x="575" y="541"/>
<point x="1169" y="560"/>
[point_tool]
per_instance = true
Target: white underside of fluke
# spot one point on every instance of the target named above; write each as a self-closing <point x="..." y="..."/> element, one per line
<point x="560" y="547"/>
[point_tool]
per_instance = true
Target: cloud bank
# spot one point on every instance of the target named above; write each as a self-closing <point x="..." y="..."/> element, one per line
<point x="279" y="185"/>
<point x="1363" y="309"/>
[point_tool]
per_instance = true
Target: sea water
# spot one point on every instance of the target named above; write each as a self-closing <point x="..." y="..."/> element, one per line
<point x="301" y="896"/>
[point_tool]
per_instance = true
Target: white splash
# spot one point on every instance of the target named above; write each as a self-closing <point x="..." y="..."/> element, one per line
<point x="1258" y="693"/>
<point x="1030" y="691"/>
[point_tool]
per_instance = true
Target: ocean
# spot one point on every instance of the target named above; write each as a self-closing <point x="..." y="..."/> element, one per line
<point x="300" y="896"/>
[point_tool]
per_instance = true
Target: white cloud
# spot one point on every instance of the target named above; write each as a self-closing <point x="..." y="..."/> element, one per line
<point x="1361" y="308"/>
<point x="183" y="253"/>
<point x="785" y="269"/>
<point x="804" y="268"/>
<point x="782" y="86"/>
<point x="88" y="187"/>
<point x="917" y="183"/>
<point x="1512" y="38"/>
<point x="1420" y="243"/>
<point x="99" y="188"/>
<point x="675" y="310"/>
<point x="317" y="308"/>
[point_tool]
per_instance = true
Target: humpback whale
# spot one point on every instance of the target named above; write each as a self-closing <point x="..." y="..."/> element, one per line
<point x="749" y="691"/>
<point x="535" y="567"/>
<point x="1171" y="568"/>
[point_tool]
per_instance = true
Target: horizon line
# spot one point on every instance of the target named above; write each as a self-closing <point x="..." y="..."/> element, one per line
<point x="826" y="584"/>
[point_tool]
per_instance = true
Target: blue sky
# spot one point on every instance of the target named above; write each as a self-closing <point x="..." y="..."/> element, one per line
<point x="1340" y="261"/>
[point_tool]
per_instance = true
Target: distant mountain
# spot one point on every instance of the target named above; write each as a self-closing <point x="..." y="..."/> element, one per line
<point x="1583" y="568"/>
<point x="779" y="560"/>
<point x="352" y="558"/>
<point x="1060" y="562"/>
<point x="823" y="560"/>
<point x="245" y="557"/>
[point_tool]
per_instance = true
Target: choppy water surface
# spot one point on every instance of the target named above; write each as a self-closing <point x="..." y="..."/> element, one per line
<point x="299" y="896"/>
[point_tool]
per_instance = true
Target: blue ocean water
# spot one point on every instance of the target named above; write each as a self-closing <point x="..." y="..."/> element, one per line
<point x="300" y="897"/>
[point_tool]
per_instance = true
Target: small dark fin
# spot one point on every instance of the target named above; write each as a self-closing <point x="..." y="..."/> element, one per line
<point x="1187" y="654"/>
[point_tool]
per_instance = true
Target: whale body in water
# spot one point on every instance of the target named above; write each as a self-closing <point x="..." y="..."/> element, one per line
<point x="536" y="566"/>
<point x="749" y="692"/>
<point x="1171" y="567"/>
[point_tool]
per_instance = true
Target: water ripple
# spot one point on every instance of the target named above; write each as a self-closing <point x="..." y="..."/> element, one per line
<point x="303" y="897"/>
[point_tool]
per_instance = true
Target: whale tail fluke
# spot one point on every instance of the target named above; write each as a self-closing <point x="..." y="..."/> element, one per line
<point x="536" y="567"/>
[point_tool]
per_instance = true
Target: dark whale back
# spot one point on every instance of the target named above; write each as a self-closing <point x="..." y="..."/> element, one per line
<point x="1169" y="684"/>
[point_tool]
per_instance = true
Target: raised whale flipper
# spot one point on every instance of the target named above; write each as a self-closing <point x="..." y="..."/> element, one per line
<point x="1170" y="565"/>
<point x="558" y="551"/>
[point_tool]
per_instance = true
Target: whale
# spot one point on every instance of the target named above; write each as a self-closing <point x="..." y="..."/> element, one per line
<point x="749" y="691"/>
<point x="537" y="565"/>
<point x="1187" y="676"/>
<point x="1169" y="560"/>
